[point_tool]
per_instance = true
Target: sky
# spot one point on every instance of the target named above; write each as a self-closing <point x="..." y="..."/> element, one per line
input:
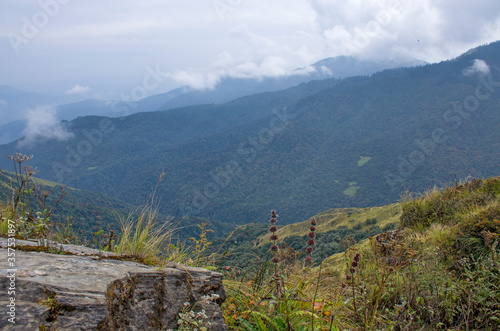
<point x="105" y="48"/>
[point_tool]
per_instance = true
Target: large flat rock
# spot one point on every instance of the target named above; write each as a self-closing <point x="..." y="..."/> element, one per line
<point x="72" y="292"/>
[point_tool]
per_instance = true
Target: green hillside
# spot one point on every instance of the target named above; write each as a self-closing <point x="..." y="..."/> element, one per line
<point x="464" y="220"/>
<point x="334" y="220"/>
<point x="87" y="211"/>
<point x="334" y="226"/>
<point x="439" y="269"/>
<point x="356" y="142"/>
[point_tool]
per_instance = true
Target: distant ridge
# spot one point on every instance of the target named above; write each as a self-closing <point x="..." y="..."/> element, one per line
<point x="14" y="102"/>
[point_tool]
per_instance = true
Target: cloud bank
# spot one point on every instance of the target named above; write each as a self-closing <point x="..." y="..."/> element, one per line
<point x="271" y="59"/>
<point x="479" y="67"/>
<point x="78" y="89"/>
<point x="42" y="124"/>
<point x="96" y="41"/>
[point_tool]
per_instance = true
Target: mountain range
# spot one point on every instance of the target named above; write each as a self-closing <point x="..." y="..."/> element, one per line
<point x="351" y="142"/>
<point x="15" y="103"/>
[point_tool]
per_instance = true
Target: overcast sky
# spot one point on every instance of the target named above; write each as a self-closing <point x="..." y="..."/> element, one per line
<point x="98" y="48"/>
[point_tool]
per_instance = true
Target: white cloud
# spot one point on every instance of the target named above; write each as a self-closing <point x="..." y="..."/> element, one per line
<point x="78" y="89"/>
<point x="196" y="79"/>
<point x="478" y="67"/>
<point x="42" y="124"/>
<point x="326" y="70"/>
<point x="268" y="66"/>
<point x="96" y="40"/>
<point x="269" y="58"/>
<point x="427" y="30"/>
<point x="373" y="30"/>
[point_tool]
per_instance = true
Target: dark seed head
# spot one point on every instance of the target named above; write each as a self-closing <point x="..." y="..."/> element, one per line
<point x="312" y="234"/>
<point x="274" y="237"/>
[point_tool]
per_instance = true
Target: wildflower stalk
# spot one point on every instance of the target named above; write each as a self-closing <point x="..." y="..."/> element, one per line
<point x="310" y="243"/>
<point x="32" y="222"/>
<point x="22" y="182"/>
<point x="275" y="250"/>
<point x="315" y="295"/>
<point x="351" y="279"/>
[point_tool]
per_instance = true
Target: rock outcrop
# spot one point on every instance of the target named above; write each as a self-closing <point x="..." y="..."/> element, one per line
<point x="75" y="292"/>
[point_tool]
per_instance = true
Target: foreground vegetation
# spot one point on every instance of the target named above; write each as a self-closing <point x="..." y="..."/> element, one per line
<point x="438" y="268"/>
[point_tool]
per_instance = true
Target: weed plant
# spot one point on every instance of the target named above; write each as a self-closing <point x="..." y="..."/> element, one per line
<point x="28" y="204"/>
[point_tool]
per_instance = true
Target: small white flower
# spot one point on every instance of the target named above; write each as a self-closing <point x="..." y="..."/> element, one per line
<point x="202" y="314"/>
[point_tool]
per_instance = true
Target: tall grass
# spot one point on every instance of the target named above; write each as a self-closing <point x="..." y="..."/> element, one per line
<point x="142" y="237"/>
<point x="5" y="215"/>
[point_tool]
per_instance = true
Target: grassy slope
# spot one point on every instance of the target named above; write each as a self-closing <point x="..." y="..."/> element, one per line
<point x="440" y="270"/>
<point x="331" y="220"/>
<point x="249" y="244"/>
<point x="90" y="211"/>
<point x="87" y="211"/>
<point x="462" y="222"/>
<point x="253" y="239"/>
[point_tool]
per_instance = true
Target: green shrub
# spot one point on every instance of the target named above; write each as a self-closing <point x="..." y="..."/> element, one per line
<point x="445" y="207"/>
<point x="477" y="232"/>
<point x="371" y="221"/>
